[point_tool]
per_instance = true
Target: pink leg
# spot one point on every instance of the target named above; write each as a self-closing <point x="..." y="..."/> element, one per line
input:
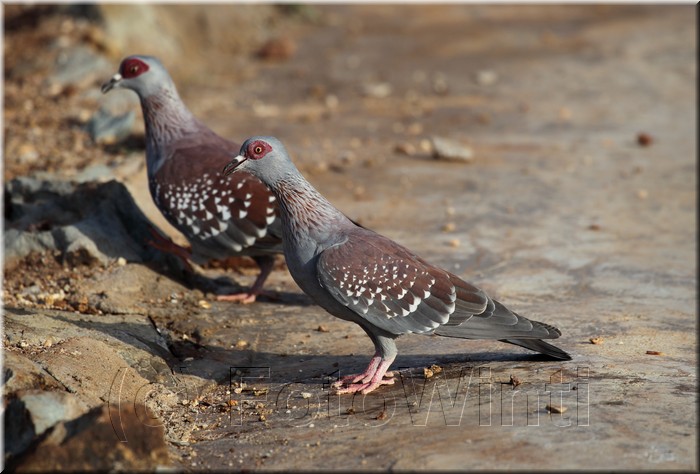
<point x="369" y="380"/>
<point x="247" y="297"/>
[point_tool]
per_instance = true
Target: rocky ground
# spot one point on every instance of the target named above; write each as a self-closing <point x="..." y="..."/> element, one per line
<point x="572" y="200"/>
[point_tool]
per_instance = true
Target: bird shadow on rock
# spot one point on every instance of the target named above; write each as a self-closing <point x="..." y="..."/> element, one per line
<point x="206" y="361"/>
<point x="96" y="222"/>
<point x="225" y="365"/>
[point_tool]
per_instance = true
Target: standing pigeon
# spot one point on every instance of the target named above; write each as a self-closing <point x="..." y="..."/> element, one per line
<point x="220" y="216"/>
<point x="358" y="275"/>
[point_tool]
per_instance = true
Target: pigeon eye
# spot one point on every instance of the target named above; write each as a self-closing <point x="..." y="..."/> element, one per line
<point x="258" y="149"/>
<point x="134" y="69"/>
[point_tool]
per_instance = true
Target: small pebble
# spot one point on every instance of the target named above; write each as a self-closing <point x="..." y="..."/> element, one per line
<point x="449" y="227"/>
<point x="439" y="84"/>
<point x="486" y="77"/>
<point x="331" y="101"/>
<point x="404" y="149"/>
<point x="377" y="90"/>
<point x="447" y="149"/>
<point x="27" y="153"/>
<point x="642" y="194"/>
<point x="121" y="261"/>
<point x="596" y="340"/>
<point x="556" y="409"/>
<point x="277" y="49"/>
<point x="644" y="139"/>
<point x="454" y="243"/>
<point x="434" y="369"/>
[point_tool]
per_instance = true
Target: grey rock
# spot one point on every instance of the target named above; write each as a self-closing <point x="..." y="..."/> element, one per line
<point x="86" y="222"/>
<point x="78" y="66"/>
<point x="104" y="127"/>
<point x="103" y="439"/>
<point x="35" y="411"/>
<point x="21" y="373"/>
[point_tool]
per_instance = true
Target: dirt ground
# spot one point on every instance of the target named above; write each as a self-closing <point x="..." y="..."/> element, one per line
<point x="578" y="209"/>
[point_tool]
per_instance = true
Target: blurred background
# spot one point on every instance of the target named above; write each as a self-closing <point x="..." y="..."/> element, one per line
<point x="545" y="153"/>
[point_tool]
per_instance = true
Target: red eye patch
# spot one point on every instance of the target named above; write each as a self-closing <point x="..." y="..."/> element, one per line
<point x="132" y="67"/>
<point x="258" y="149"/>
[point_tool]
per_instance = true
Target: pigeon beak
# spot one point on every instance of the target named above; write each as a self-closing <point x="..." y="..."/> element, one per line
<point x="235" y="163"/>
<point x="112" y="83"/>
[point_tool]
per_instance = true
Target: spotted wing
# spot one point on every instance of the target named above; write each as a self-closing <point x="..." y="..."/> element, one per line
<point x="392" y="288"/>
<point x="399" y="292"/>
<point x="220" y="215"/>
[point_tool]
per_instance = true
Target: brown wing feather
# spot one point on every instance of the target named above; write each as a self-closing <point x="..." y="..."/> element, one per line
<point x="220" y="215"/>
<point x="391" y="287"/>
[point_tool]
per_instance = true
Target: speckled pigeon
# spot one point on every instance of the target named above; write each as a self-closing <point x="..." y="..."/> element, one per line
<point x="221" y="216"/>
<point x="358" y="275"/>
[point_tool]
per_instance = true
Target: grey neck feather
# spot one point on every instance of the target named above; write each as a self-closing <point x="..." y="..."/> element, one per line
<point x="308" y="218"/>
<point x="167" y="119"/>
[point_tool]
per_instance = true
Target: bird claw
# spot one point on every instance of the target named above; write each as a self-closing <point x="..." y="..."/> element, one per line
<point x="246" y="297"/>
<point x="242" y="298"/>
<point x="362" y="387"/>
<point x="361" y="383"/>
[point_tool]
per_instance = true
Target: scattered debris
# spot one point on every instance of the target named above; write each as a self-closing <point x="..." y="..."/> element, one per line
<point x="429" y="372"/>
<point x="644" y="139"/>
<point x="514" y="381"/>
<point x="405" y="148"/>
<point x="449" y="227"/>
<point x="596" y="340"/>
<point x="439" y="84"/>
<point x="486" y="77"/>
<point x="322" y="328"/>
<point x="204" y="304"/>
<point x="655" y="353"/>
<point x="277" y="49"/>
<point x="555" y="409"/>
<point x="241" y="344"/>
<point x="454" y="243"/>
<point x="378" y="90"/>
<point x="448" y="149"/>
<point x="565" y="114"/>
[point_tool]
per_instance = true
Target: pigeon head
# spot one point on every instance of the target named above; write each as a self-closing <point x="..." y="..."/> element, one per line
<point x="144" y="75"/>
<point x="264" y="157"/>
